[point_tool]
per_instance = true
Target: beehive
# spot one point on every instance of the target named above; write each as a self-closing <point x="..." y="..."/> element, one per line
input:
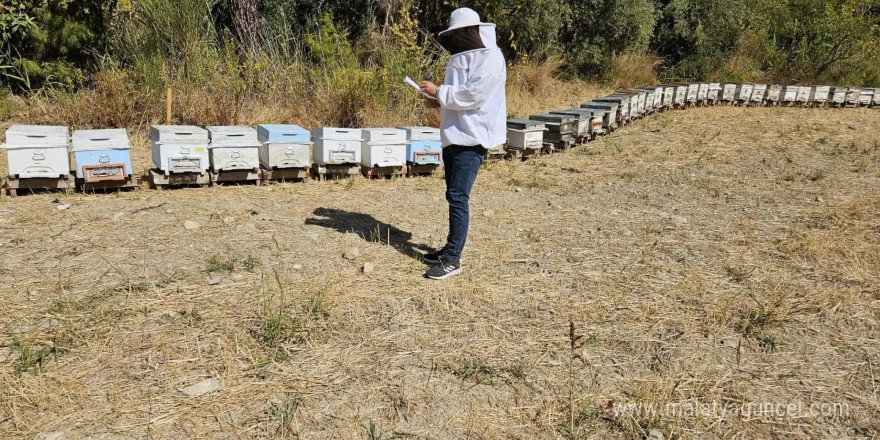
<point x="838" y="95"/>
<point x="284" y="146"/>
<point x="424" y="146"/>
<point x="692" y="91"/>
<point x="623" y="105"/>
<point x="37" y="151"/>
<point x="179" y="148"/>
<point x="759" y="93"/>
<point x="582" y="119"/>
<point x="525" y="134"/>
<point x="728" y="92"/>
<point x="866" y="97"/>
<point x="852" y="97"/>
<point x="234" y="148"/>
<point x="774" y="93"/>
<point x="609" y="116"/>
<point x="383" y="147"/>
<point x="703" y="92"/>
<point x="744" y="92"/>
<point x="668" y="96"/>
<point x="821" y="94"/>
<point x="805" y="94"/>
<point x="336" y="146"/>
<point x="559" y="128"/>
<point x="102" y="155"/>
<point x="789" y="94"/>
<point x="714" y="93"/>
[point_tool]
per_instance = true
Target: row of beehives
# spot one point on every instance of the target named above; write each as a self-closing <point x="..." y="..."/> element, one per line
<point x="562" y="128"/>
<point x="103" y="155"/>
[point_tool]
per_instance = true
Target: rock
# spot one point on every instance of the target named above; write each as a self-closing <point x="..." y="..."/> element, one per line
<point x="60" y="434"/>
<point x="228" y="220"/>
<point x="368" y="268"/>
<point x="21" y="330"/>
<point x="171" y="316"/>
<point x="820" y="199"/>
<point x="47" y="323"/>
<point x="655" y="434"/>
<point x="214" y="279"/>
<point x="297" y="267"/>
<point x="63" y="206"/>
<point x="352" y="253"/>
<point x="679" y="220"/>
<point x="518" y="189"/>
<point x="191" y="225"/>
<point x="199" y="389"/>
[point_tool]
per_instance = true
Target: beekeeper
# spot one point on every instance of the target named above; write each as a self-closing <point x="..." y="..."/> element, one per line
<point x="473" y="110"/>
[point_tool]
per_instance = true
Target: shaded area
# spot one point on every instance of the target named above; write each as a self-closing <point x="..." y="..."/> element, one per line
<point x="369" y="229"/>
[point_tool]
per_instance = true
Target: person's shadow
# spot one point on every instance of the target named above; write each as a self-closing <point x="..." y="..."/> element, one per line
<point x="369" y="229"/>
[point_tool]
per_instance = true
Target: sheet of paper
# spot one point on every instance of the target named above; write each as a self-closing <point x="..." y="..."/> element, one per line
<point x="412" y="83"/>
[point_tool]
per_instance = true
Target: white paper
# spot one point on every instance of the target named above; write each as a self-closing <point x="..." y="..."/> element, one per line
<point x="412" y="83"/>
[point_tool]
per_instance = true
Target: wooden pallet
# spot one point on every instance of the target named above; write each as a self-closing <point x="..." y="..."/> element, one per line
<point x="422" y="170"/>
<point x="523" y="154"/>
<point x="16" y="186"/>
<point x="285" y="174"/>
<point x="132" y="182"/>
<point x="384" y="172"/>
<point x="236" y="176"/>
<point x="159" y="181"/>
<point x="322" y="172"/>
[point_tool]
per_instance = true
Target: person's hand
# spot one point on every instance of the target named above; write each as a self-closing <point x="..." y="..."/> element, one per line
<point x="429" y="88"/>
<point x="432" y="103"/>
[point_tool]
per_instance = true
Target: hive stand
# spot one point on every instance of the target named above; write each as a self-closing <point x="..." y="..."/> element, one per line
<point x="384" y="172"/>
<point x="237" y="176"/>
<point x="337" y="171"/>
<point x="132" y="182"/>
<point x="159" y="181"/>
<point x="523" y="154"/>
<point x="285" y="174"/>
<point x="421" y="170"/>
<point x="16" y="186"/>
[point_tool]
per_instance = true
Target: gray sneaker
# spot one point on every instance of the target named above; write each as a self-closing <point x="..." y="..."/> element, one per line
<point x="444" y="270"/>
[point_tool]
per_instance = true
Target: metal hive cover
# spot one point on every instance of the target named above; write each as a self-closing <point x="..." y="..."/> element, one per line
<point x="27" y="136"/>
<point x="233" y="136"/>
<point x="282" y="134"/>
<point x="525" y="124"/>
<point x="91" y="140"/>
<point x="178" y="134"/>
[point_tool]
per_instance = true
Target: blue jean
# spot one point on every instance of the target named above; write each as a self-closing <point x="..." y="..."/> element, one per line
<point x="460" y="164"/>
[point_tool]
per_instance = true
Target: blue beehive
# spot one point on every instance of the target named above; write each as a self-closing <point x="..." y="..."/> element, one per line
<point x="423" y="145"/>
<point x="102" y="154"/>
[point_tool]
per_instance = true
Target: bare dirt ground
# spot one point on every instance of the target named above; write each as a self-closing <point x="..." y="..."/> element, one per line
<point x="721" y="255"/>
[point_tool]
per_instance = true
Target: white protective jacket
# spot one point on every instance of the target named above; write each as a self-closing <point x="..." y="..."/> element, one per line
<point x="473" y="104"/>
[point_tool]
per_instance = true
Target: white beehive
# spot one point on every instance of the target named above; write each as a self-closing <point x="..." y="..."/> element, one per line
<point x="383" y="147"/>
<point x="821" y="94"/>
<point x="774" y="93"/>
<point x="744" y="92"/>
<point x="866" y="97"/>
<point x="728" y="92"/>
<point x="179" y="148"/>
<point x="759" y="93"/>
<point x="284" y="146"/>
<point x="336" y="146"/>
<point x="714" y="93"/>
<point x="703" y="92"/>
<point x="789" y="94"/>
<point x="838" y="95"/>
<point x="523" y="134"/>
<point x="692" y="90"/>
<point x="234" y="148"/>
<point x="37" y="151"/>
<point x="852" y="97"/>
<point x="805" y="94"/>
<point x="668" y="96"/>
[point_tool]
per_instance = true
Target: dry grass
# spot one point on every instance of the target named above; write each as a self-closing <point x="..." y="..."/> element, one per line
<point x="769" y="292"/>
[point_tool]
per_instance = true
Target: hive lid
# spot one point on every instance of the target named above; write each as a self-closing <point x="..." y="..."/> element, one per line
<point x="614" y="98"/>
<point x="178" y="134"/>
<point x="337" y="133"/>
<point x="233" y="136"/>
<point x="91" y="140"/>
<point x="525" y="124"/>
<point x="601" y="105"/>
<point x="578" y="114"/>
<point x="556" y="119"/>
<point x="383" y="135"/>
<point x="421" y="133"/>
<point x="29" y="136"/>
<point x="282" y="133"/>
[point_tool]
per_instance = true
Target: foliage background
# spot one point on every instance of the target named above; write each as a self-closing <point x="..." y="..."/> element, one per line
<point x="345" y="58"/>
